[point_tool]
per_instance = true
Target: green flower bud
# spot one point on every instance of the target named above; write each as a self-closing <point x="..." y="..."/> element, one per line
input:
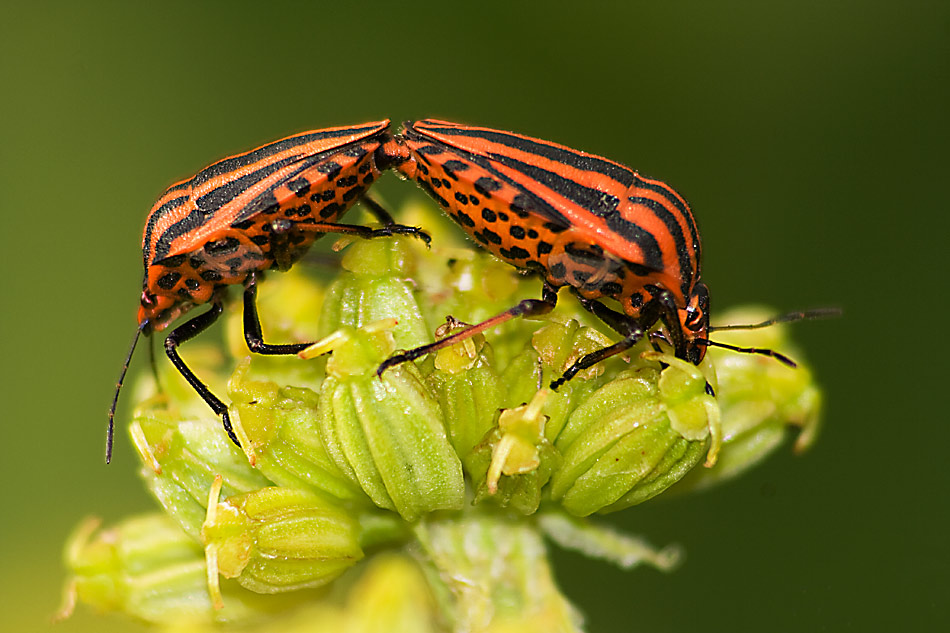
<point x="385" y="433"/>
<point x="181" y="459"/>
<point x="473" y="287"/>
<point x="468" y="388"/>
<point x="277" y="539"/>
<point x="515" y="460"/>
<point x="375" y="290"/>
<point x="552" y="350"/>
<point x="279" y="431"/>
<point x="760" y="399"/>
<point x="147" y="568"/>
<point x="634" y="437"/>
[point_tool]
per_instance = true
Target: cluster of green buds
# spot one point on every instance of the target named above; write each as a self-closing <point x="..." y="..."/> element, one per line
<point x="362" y="501"/>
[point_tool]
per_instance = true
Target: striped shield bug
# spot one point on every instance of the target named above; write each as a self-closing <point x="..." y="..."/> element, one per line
<point x="246" y="214"/>
<point x="577" y="219"/>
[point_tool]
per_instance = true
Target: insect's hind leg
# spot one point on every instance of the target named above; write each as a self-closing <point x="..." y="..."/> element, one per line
<point x="186" y="332"/>
<point x="524" y="308"/>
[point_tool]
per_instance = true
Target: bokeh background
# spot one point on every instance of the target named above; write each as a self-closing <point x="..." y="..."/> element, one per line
<point x="810" y="137"/>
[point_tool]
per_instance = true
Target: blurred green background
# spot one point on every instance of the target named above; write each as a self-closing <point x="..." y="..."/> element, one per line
<point x="810" y="137"/>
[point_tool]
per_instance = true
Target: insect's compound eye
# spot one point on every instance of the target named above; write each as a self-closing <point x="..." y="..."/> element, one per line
<point x="148" y="300"/>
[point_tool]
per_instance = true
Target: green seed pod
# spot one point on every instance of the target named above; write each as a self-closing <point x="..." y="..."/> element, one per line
<point x="553" y="348"/>
<point x="277" y="539"/>
<point x="468" y="388"/>
<point x="279" y="431"/>
<point x="147" y="568"/>
<point x="760" y="399"/>
<point x="181" y="458"/>
<point x="635" y="436"/>
<point x="386" y="433"/>
<point x="515" y="460"/>
<point x="376" y="289"/>
<point x="473" y="286"/>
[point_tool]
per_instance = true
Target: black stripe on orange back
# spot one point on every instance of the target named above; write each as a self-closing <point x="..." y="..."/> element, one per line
<point x="594" y="201"/>
<point x="670" y="194"/>
<point x="538" y="147"/>
<point x="598" y="203"/>
<point x="676" y="232"/>
<point x="266" y="199"/>
<point x="220" y="196"/>
<point x="184" y="184"/>
<point x="207" y="205"/>
<point x="153" y="219"/>
<point x="243" y="160"/>
<point x="190" y="222"/>
<point x="537" y="205"/>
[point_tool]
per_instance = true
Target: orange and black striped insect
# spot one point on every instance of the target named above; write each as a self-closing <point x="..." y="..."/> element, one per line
<point x="246" y="214"/>
<point x="577" y="219"/>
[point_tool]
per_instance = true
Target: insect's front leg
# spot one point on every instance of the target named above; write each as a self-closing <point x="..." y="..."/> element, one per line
<point x="185" y="332"/>
<point x="252" y="325"/>
<point x="626" y="326"/>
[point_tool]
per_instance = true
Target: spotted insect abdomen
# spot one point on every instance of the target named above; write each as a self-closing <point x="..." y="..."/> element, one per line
<point x="587" y="222"/>
<point x="494" y="213"/>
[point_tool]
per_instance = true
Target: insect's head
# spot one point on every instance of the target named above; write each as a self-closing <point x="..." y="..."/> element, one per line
<point x="694" y="320"/>
<point x="156" y="311"/>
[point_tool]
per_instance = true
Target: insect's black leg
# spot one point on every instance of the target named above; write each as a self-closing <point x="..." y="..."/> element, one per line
<point x="662" y="307"/>
<point x="525" y="308"/>
<point x="185" y="332"/>
<point x="252" y="326"/>
<point x="617" y="321"/>
<point x="364" y="231"/>
<point x="380" y="213"/>
<point x="628" y="327"/>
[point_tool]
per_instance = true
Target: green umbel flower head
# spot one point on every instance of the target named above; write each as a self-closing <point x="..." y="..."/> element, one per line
<point x="417" y="500"/>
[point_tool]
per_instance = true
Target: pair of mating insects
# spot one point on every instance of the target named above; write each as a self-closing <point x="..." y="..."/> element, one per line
<point x="577" y="219"/>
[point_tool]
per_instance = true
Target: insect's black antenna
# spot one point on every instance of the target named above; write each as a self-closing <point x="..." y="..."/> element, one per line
<point x="801" y="315"/>
<point x="118" y="387"/>
<point x="782" y="358"/>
